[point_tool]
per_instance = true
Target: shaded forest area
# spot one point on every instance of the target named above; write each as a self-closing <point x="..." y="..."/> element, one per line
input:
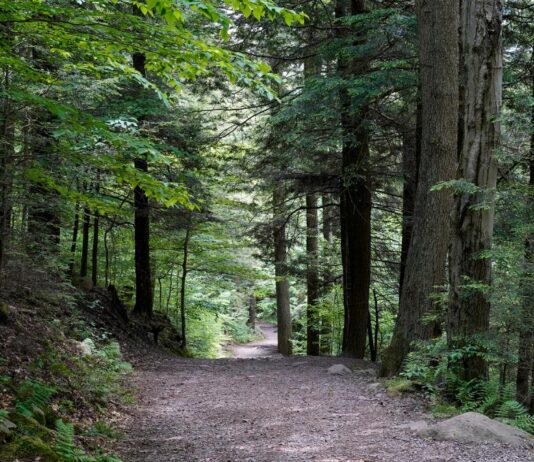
<point x="359" y="173"/>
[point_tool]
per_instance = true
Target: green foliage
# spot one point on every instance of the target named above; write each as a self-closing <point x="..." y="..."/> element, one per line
<point x="103" y="429"/>
<point x="442" y="410"/>
<point x="205" y="335"/>
<point x="238" y="330"/>
<point x="33" y="428"/>
<point x="33" y="397"/>
<point x="432" y="367"/>
<point x="399" y="386"/>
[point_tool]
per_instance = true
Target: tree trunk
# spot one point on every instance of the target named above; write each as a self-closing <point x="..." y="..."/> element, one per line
<point x="469" y="268"/>
<point x="96" y="229"/>
<point x="182" y="286"/>
<point x="411" y="152"/>
<point x="312" y="276"/>
<point x="355" y="203"/>
<point x="327" y="282"/>
<point x="106" y="255"/>
<point x="74" y="239"/>
<point x="143" y="276"/>
<point x="251" y="322"/>
<point x="283" y="311"/>
<point x="7" y="151"/>
<point x="94" y="254"/>
<point x="525" y="355"/>
<point x="425" y="262"/>
<point x="85" y="242"/>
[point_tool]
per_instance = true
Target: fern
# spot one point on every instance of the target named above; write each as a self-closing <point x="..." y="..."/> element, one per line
<point x="33" y="396"/>
<point x="525" y="422"/>
<point x="66" y="449"/>
<point x="510" y="409"/>
<point x="6" y="426"/>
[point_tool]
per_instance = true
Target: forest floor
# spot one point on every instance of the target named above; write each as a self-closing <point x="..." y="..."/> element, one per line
<point x="262" y="407"/>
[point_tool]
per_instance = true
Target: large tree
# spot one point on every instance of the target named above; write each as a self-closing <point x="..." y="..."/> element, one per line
<point x="425" y="262"/>
<point x="472" y="222"/>
<point x="355" y="194"/>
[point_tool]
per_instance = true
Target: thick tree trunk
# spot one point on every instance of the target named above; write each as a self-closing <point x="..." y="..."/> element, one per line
<point x="469" y="268"/>
<point x="283" y="312"/>
<point x="143" y="275"/>
<point x="312" y="277"/>
<point x="355" y="203"/>
<point x="425" y="262"/>
<point x="525" y="364"/>
<point x="411" y="152"/>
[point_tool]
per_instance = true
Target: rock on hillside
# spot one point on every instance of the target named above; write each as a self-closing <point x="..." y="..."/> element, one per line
<point x="473" y="427"/>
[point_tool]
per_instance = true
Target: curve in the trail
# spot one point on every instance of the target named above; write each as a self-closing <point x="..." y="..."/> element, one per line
<point x="263" y="348"/>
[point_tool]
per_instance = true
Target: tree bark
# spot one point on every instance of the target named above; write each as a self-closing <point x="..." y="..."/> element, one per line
<point x="74" y="239"/>
<point x="312" y="277"/>
<point x="355" y="203"/>
<point x="283" y="311"/>
<point x="411" y="153"/>
<point x="525" y="364"/>
<point x="143" y="277"/>
<point x="96" y="229"/>
<point x="425" y="262"/>
<point x="7" y="151"/>
<point x="251" y="321"/>
<point x="85" y="242"/>
<point x="327" y="278"/>
<point x="472" y="228"/>
<point x="182" y="287"/>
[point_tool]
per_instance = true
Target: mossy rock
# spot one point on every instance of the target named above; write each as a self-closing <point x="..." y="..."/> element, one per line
<point x="25" y="447"/>
<point x="4" y="312"/>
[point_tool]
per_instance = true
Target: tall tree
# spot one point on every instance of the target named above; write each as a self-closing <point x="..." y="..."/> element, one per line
<point x="283" y="310"/>
<point x="355" y="203"/>
<point x="425" y="263"/>
<point x="525" y="365"/>
<point x="312" y="275"/>
<point x="143" y="274"/>
<point x="472" y="224"/>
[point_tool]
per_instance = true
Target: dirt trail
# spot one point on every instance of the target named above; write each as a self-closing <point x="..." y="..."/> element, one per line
<point x="271" y="409"/>
<point x="260" y="349"/>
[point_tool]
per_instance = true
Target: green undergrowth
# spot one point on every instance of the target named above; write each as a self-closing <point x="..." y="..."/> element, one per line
<point x="208" y="332"/>
<point x="41" y="421"/>
<point x="433" y="369"/>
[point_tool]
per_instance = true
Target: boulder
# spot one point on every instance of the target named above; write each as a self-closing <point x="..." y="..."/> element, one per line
<point x="473" y="427"/>
<point x="339" y="369"/>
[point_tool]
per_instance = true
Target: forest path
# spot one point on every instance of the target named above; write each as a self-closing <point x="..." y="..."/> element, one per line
<point x="265" y="347"/>
<point x="277" y="409"/>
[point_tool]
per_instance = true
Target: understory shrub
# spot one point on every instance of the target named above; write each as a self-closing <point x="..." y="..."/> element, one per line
<point x="36" y="426"/>
<point x="433" y="368"/>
